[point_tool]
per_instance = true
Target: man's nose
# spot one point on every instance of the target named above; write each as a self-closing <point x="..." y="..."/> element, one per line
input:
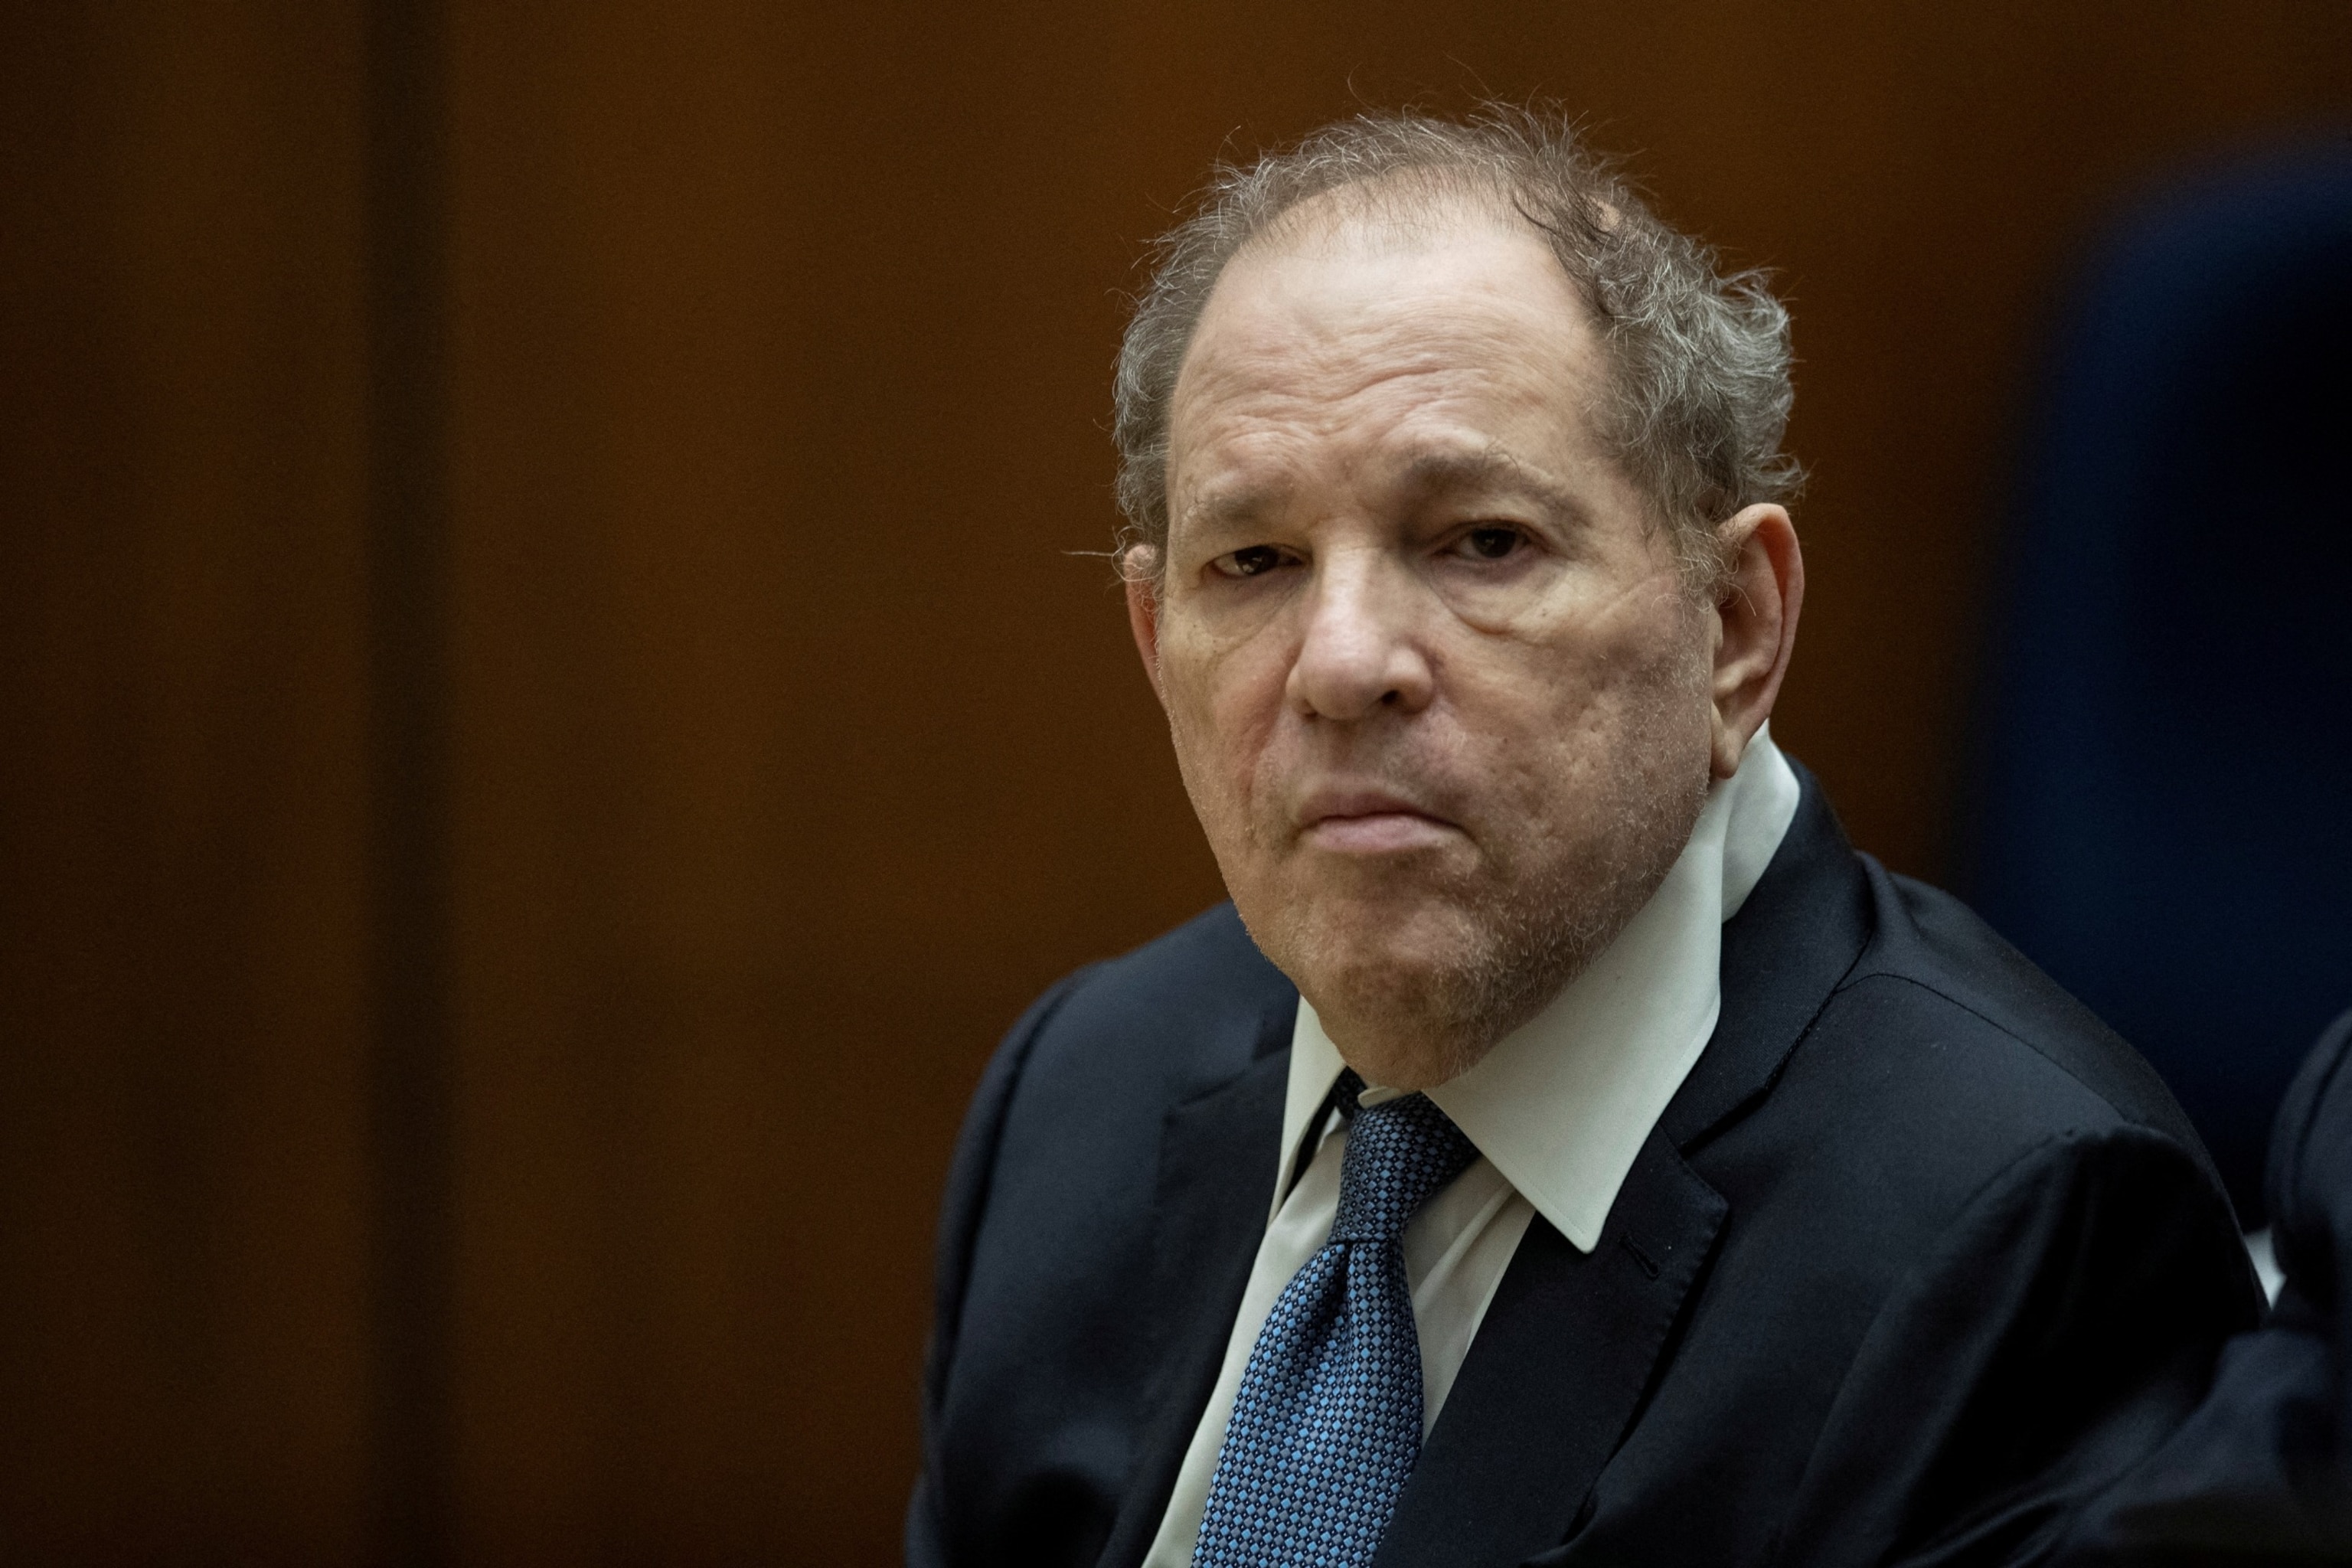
<point x="1360" y="651"/>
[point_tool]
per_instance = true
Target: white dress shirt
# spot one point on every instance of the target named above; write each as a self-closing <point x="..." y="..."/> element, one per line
<point x="1558" y="1110"/>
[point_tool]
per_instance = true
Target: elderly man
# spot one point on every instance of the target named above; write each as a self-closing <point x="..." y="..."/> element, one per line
<point x="1565" y="1148"/>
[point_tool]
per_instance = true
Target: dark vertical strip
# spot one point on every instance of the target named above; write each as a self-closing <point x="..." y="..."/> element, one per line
<point x="409" y="531"/>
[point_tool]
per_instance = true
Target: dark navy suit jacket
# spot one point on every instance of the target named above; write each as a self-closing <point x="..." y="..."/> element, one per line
<point x="1921" y="1260"/>
<point x="2261" y="1474"/>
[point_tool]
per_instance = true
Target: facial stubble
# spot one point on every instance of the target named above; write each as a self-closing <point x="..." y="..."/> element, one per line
<point x="1538" y="909"/>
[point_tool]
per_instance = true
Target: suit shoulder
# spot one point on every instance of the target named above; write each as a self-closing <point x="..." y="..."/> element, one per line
<point x="1065" y="1139"/>
<point x="1941" y="1066"/>
<point x="1942" y="995"/>
<point x="1182" y="1013"/>
<point x="1209" y="954"/>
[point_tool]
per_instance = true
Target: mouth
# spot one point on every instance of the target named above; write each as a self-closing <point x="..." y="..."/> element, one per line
<point x="1363" y="821"/>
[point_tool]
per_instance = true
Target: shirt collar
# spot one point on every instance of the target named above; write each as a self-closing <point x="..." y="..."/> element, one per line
<point x="1563" y="1104"/>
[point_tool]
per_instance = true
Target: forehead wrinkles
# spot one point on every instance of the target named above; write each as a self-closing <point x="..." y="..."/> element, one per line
<point x="1341" y="304"/>
<point x="1447" y="457"/>
<point x="1473" y="283"/>
<point x="1270" y="392"/>
<point x="1456" y="366"/>
<point x="1255" y="443"/>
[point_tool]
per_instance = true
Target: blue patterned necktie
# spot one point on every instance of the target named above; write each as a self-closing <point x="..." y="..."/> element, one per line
<point x="1325" y="1426"/>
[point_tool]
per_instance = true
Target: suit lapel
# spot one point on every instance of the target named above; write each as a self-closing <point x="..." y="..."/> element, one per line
<point x="1217" y="1158"/>
<point x="1795" y="937"/>
<point x="1556" y="1375"/>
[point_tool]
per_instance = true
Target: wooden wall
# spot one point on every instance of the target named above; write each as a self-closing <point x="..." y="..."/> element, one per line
<point x="787" y="742"/>
<point x="182" y="792"/>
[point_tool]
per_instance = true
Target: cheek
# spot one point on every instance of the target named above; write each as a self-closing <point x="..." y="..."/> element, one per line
<point x="1636" y="636"/>
<point x="1225" y="698"/>
<point x="1558" y="700"/>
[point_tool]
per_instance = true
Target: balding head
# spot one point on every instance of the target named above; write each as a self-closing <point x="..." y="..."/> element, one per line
<point x="1695" y="393"/>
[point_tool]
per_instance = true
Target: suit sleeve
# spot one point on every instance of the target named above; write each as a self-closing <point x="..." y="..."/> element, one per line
<point x="2263" y="1472"/>
<point x="928" y="1542"/>
<point x="2059" y="1331"/>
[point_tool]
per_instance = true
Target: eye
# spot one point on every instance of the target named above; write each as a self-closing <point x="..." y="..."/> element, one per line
<point x="1251" y="561"/>
<point x="1490" y="542"/>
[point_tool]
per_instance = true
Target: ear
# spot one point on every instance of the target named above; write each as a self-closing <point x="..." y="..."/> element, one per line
<point x="1755" y="620"/>
<point x="1139" y="567"/>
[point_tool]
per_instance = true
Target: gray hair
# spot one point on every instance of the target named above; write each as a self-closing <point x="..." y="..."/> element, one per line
<point x="1697" y="394"/>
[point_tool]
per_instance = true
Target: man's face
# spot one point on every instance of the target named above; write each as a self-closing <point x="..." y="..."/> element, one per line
<point x="1437" y="689"/>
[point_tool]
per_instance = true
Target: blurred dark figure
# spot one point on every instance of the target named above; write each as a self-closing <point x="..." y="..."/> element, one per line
<point x="2263" y="1472"/>
<point x="2168" y="747"/>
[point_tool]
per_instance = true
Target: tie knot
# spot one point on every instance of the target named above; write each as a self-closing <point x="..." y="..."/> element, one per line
<point x="1399" y="1154"/>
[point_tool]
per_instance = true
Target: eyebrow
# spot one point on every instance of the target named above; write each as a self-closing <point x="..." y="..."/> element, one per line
<point x="1437" y="471"/>
<point x="1230" y="505"/>
<point x="1428" y="472"/>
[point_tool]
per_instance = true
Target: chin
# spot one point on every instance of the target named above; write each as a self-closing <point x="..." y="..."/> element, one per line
<point x="1408" y="992"/>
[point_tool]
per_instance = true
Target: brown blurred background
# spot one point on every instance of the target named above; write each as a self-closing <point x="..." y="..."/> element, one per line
<point x="551" y="711"/>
